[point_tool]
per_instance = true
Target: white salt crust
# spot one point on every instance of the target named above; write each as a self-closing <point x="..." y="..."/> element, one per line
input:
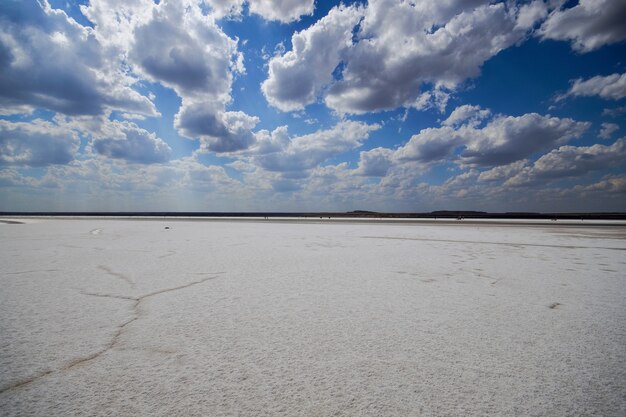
<point x="118" y="317"/>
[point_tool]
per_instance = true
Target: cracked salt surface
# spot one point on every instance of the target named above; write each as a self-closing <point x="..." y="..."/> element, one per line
<point x="244" y="318"/>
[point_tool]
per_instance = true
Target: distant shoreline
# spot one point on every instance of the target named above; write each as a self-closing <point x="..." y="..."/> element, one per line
<point x="359" y="214"/>
<point x="337" y="220"/>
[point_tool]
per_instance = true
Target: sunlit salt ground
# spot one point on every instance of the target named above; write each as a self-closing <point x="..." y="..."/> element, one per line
<point x="211" y="318"/>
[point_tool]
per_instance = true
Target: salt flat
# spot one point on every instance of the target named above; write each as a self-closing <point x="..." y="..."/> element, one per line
<point x="121" y="317"/>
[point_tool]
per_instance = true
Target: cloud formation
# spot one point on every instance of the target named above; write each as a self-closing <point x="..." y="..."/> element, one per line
<point x="125" y="140"/>
<point x="37" y="143"/>
<point x="610" y="87"/>
<point x="375" y="162"/>
<point x="390" y="54"/>
<point x="80" y="101"/>
<point x="277" y="152"/>
<point x="47" y="60"/>
<point x="219" y="131"/>
<point x="504" y="139"/>
<point x="607" y="130"/>
<point x="193" y="57"/>
<point x="284" y="11"/>
<point x="589" y="25"/>
<point x="296" y="78"/>
<point x="569" y="161"/>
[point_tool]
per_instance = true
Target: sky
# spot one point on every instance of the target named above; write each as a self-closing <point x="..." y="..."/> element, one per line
<point x="304" y="105"/>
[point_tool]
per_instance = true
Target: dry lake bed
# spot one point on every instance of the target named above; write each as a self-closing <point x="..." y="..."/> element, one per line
<point x="225" y="318"/>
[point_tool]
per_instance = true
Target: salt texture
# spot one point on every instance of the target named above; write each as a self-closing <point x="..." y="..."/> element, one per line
<point x="120" y="317"/>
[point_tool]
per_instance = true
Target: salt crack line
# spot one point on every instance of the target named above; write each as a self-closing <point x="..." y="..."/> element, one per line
<point x="25" y="381"/>
<point x="119" y="297"/>
<point x="135" y="308"/>
<point x="116" y="335"/>
<point x="117" y="275"/>
<point x="29" y="272"/>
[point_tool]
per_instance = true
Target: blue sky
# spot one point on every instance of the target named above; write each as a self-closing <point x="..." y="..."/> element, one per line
<point x="273" y="105"/>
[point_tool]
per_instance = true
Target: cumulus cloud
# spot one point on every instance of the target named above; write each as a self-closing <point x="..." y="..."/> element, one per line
<point x="507" y="138"/>
<point x="13" y="178"/>
<point x="198" y="60"/>
<point x="181" y="175"/>
<point x="115" y="22"/>
<point x="193" y="55"/>
<point x="297" y="154"/>
<point x="403" y="48"/>
<point x="127" y="141"/>
<point x="504" y="139"/>
<point x="375" y="162"/>
<point x="503" y="172"/>
<point x="610" y="184"/>
<point x="218" y="131"/>
<point x="610" y="87"/>
<point x="568" y="161"/>
<point x="226" y="8"/>
<point x="430" y="145"/>
<point x="284" y="11"/>
<point x="297" y="77"/>
<point x="589" y="25"/>
<point x="37" y="143"/>
<point x="390" y="54"/>
<point x="47" y="60"/>
<point x="615" y="112"/>
<point x="466" y="114"/>
<point x="607" y="130"/>
<point x="532" y="13"/>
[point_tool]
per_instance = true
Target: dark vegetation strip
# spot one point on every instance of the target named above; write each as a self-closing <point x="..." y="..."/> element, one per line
<point x="357" y="214"/>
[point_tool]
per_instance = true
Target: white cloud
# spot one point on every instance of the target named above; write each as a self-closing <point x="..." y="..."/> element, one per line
<point x="297" y="77"/>
<point x="607" y="130"/>
<point x="278" y="153"/>
<point x="127" y="141"/>
<point x="503" y="172"/>
<point x="466" y="114"/>
<point x="115" y="21"/>
<point x="430" y="145"/>
<point x="404" y="48"/>
<point x="504" y="139"/>
<point x="507" y="138"/>
<point x="610" y="87"/>
<point x="36" y="143"/>
<point x="285" y="11"/>
<point x="615" y="112"/>
<point x="49" y="61"/>
<point x="13" y="178"/>
<point x="532" y="13"/>
<point x="589" y="25"/>
<point x="193" y="56"/>
<point x="95" y="176"/>
<point x="226" y="8"/>
<point x="390" y="54"/>
<point x="568" y="161"/>
<point x="610" y="184"/>
<point x="375" y="162"/>
<point x="218" y="131"/>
